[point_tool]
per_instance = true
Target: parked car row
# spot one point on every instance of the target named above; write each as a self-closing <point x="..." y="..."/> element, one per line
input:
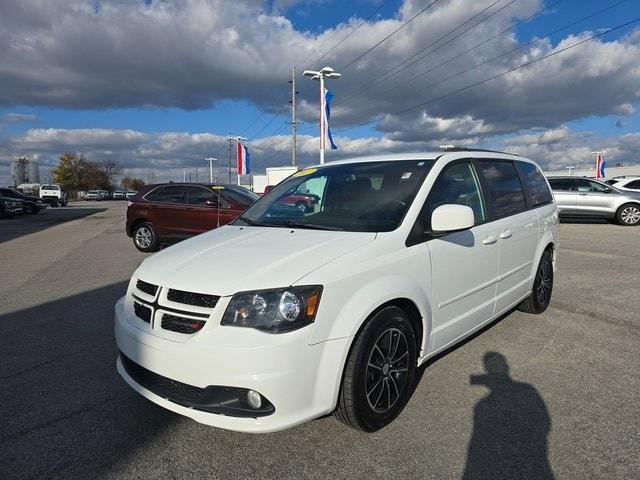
<point x="98" y="195"/>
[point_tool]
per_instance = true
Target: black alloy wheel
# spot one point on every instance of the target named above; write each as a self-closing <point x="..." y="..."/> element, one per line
<point x="540" y="297"/>
<point x="379" y="376"/>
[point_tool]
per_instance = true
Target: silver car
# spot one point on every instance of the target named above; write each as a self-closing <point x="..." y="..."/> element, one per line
<point x="583" y="197"/>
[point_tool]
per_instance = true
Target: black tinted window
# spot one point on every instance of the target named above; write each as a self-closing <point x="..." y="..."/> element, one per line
<point x="7" y="192"/>
<point x="587" y="186"/>
<point x="535" y="183"/>
<point x="505" y="190"/>
<point x="200" y="195"/>
<point x="168" y="194"/>
<point x="239" y="195"/>
<point x="566" y="184"/>
<point x="634" y="184"/>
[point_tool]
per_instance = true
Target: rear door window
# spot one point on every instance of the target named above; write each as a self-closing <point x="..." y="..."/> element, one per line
<point x="167" y="194"/>
<point x="506" y="194"/>
<point x="535" y="184"/>
<point x="200" y="196"/>
<point x="562" y="184"/>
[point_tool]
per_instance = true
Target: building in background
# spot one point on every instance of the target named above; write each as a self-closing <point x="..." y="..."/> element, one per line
<point x="25" y="171"/>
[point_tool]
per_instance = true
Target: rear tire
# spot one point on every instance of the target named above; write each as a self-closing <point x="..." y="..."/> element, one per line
<point x="145" y="238"/>
<point x="380" y="372"/>
<point x="540" y="297"/>
<point x="628" y="215"/>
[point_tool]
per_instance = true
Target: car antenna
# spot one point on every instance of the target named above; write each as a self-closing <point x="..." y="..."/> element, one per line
<point x="216" y="187"/>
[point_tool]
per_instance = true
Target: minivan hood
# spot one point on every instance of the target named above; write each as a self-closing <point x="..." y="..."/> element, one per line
<point x="232" y="259"/>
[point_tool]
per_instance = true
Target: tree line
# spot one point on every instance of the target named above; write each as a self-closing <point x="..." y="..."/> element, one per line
<point x="76" y="173"/>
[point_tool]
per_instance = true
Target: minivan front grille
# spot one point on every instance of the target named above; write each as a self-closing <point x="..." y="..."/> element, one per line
<point x="142" y="312"/>
<point x="192" y="298"/>
<point x="178" y="324"/>
<point x="147" y="288"/>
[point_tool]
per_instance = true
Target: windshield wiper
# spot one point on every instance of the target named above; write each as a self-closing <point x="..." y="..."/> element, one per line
<point x="311" y="226"/>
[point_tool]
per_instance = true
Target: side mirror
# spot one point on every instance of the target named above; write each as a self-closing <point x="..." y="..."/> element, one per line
<point x="451" y="218"/>
<point x="608" y="190"/>
<point x="212" y="203"/>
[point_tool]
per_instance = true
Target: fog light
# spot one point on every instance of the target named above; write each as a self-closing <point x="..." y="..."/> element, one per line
<point x="254" y="399"/>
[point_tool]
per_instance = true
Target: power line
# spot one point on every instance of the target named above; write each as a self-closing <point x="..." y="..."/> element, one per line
<point x="370" y="49"/>
<point x="501" y="55"/>
<point x="388" y="73"/>
<point x="486" y="80"/>
<point x="382" y="5"/>
<point x="253" y="122"/>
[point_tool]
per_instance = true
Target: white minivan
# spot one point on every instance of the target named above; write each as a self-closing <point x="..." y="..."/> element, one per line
<point x="287" y="315"/>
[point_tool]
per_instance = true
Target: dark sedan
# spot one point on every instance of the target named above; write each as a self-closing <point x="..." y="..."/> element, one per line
<point x="31" y="205"/>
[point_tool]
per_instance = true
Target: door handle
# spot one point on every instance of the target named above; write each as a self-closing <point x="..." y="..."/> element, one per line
<point x="582" y="194"/>
<point x="506" y="234"/>
<point x="488" y="240"/>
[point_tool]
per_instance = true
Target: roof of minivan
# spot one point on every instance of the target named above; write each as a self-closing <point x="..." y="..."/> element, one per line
<point x="428" y="155"/>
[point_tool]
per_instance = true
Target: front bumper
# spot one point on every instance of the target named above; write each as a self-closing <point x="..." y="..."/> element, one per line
<point x="300" y="380"/>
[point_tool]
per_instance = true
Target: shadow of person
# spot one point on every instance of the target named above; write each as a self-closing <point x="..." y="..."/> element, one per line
<point x="510" y="427"/>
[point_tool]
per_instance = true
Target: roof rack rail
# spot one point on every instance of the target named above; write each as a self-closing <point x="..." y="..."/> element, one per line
<point x="453" y="148"/>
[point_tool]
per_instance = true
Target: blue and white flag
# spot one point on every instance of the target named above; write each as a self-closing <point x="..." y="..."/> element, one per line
<point x="326" y="138"/>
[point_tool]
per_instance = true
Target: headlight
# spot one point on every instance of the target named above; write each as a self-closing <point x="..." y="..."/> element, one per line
<point x="274" y="311"/>
<point x="12" y="204"/>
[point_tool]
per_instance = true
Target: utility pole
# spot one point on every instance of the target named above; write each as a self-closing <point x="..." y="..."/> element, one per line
<point x="294" y="125"/>
<point x="184" y="175"/>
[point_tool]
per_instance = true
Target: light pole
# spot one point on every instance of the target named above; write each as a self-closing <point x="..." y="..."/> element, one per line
<point x="321" y="75"/>
<point x="211" y="160"/>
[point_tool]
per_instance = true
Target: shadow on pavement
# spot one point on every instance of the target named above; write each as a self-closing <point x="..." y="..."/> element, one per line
<point x="510" y="427"/>
<point x="21" y="225"/>
<point x="65" y="410"/>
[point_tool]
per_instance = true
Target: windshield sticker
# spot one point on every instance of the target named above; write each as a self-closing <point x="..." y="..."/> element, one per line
<point x="302" y="173"/>
<point x="420" y="164"/>
<point x="406" y="176"/>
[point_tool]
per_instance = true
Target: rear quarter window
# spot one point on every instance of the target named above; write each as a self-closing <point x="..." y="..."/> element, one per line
<point x="506" y="194"/>
<point x="535" y="184"/>
<point x="168" y="194"/>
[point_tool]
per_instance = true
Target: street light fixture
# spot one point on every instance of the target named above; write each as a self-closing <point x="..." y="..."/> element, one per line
<point x="321" y="75"/>
<point x="211" y="160"/>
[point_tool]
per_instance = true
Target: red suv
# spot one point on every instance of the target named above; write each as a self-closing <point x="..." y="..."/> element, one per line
<point x="173" y="211"/>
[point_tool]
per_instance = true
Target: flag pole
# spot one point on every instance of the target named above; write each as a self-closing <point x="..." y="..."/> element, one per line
<point x="322" y="126"/>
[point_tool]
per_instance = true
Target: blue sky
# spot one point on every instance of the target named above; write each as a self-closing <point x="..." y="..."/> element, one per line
<point x="234" y="116"/>
<point x="111" y="71"/>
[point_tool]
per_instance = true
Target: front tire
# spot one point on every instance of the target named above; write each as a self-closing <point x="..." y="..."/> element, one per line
<point x="628" y="215"/>
<point x="540" y="297"/>
<point x="380" y="372"/>
<point x="145" y="238"/>
<point x="30" y="209"/>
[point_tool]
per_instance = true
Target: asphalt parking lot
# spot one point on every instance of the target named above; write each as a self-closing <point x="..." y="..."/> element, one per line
<point x="570" y="402"/>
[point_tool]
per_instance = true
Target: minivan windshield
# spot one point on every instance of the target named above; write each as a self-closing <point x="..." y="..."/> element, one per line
<point x="354" y="197"/>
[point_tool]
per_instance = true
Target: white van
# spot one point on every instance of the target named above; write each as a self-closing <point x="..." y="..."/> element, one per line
<point x="287" y="315"/>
